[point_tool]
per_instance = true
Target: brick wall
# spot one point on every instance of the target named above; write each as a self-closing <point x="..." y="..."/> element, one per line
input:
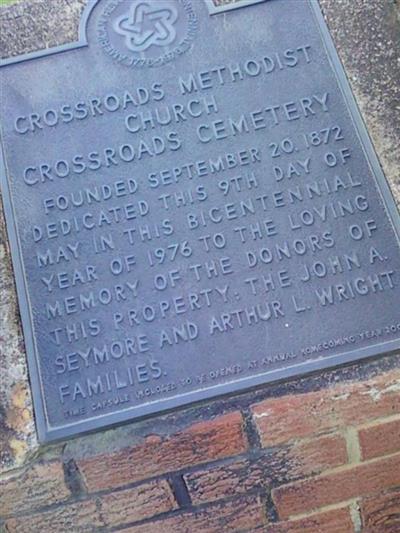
<point x="321" y="454"/>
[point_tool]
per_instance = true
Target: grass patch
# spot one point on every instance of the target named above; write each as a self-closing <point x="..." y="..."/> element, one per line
<point x="6" y="2"/>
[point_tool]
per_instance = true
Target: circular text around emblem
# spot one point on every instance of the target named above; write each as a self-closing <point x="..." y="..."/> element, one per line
<point x="146" y="33"/>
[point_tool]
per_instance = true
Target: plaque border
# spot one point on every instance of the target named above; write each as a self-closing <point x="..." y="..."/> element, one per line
<point x="47" y="433"/>
<point x="214" y="10"/>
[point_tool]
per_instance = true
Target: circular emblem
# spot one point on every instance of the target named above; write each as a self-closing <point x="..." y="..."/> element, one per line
<point x="146" y="33"/>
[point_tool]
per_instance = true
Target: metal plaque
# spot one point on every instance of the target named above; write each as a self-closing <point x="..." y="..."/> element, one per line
<point x="194" y="207"/>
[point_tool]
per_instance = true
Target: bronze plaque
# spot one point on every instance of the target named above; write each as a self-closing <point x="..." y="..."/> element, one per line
<point x="194" y="208"/>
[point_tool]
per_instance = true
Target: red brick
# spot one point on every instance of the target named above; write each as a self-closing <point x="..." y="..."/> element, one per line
<point x="335" y="521"/>
<point x="82" y="516"/>
<point x="297" y="460"/>
<point x="40" y="485"/>
<point x="314" y="455"/>
<point x="199" y="443"/>
<point x="380" y="439"/>
<point x="339" y="486"/>
<point x="136" y="504"/>
<point x="297" y="415"/>
<point x="239" y="515"/>
<point x="381" y="513"/>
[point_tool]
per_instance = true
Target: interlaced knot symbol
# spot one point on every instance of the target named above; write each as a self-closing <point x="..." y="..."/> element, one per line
<point x="147" y="24"/>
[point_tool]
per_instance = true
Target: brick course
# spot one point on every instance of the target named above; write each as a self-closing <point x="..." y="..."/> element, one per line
<point x="279" y="420"/>
<point x="301" y="459"/>
<point x="334" y="521"/>
<point x="381" y="512"/>
<point x="133" y="505"/>
<point x="245" y="514"/>
<point x="337" y="486"/>
<point x="202" y="442"/>
<point x="81" y="516"/>
<point x="332" y="469"/>
<point x="380" y="439"/>
<point x="33" y="487"/>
